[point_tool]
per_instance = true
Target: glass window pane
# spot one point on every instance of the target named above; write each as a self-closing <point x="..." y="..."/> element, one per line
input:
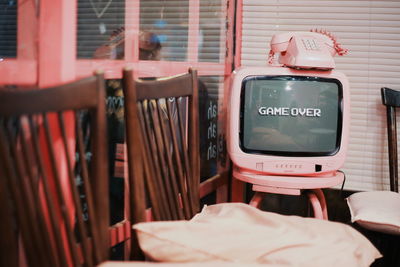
<point x="212" y="153"/>
<point x="8" y="29"/>
<point x="100" y="29"/>
<point x="164" y="30"/>
<point x="116" y="139"/>
<point x="212" y="31"/>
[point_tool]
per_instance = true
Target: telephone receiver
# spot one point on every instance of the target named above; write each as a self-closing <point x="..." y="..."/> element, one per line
<point x="306" y="50"/>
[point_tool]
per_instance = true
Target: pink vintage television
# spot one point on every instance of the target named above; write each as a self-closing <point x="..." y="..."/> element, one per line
<point x="285" y="121"/>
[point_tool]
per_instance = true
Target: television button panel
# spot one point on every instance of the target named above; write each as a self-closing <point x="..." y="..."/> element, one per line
<point x="289" y="166"/>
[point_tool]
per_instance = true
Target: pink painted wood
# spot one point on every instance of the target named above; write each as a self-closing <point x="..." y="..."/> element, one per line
<point x="194" y="30"/>
<point x="318" y="214"/>
<point x="256" y="199"/>
<point x="322" y="201"/>
<point x="57" y="45"/>
<point x="132" y="25"/>
<point x="147" y="68"/>
<point x="238" y="41"/>
<point x="290" y="182"/>
<point x="229" y="36"/>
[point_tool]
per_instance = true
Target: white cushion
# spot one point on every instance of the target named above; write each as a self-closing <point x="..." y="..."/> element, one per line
<point x="180" y="264"/>
<point x="376" y="210"/>
<point x="236" y="232"/>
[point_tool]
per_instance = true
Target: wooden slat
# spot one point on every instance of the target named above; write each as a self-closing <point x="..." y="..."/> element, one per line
<point x="94" y="229"/>
<point x="54" y="226"/>
<point x="11" y="179"/>
<point x="67" y="218"/>
<point x="178" y="161"/>
<point x="168" y="156"/>
<point x="158" y="196"/>
<point x="50" y="253"/>
<point x="86" y="253"/>
<point x="8" y="242"/>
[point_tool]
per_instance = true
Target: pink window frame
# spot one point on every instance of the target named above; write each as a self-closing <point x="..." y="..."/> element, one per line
<point x="57" y="62"/>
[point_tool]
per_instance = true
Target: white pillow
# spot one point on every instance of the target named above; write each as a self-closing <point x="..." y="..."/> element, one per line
<point x="236" y="232"/>
<point x="376" y="210"/>
<point x="175" y="264"/>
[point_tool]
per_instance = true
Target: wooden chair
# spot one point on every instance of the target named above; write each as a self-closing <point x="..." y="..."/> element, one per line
<point x="163" y="154"/>
<point x="166" y="164"/>
<point x="161" y="118"/>
<point x="391" y="99"/>
<point x="53" y="161"/>
<point x="375" y="211"/>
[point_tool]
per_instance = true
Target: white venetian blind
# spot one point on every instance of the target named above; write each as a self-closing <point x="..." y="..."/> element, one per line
<point x="371" y="32"/>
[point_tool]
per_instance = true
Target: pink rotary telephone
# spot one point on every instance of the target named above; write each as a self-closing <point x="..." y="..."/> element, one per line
<point x="306" y="50"/>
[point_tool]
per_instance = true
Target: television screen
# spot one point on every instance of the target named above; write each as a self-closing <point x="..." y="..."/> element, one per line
<point x="291" y="115"/>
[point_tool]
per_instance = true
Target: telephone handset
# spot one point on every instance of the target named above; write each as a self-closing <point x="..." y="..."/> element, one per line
<point x="306" y="50"/>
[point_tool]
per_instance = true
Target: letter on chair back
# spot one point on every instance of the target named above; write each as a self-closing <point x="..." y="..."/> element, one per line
<point x="163" y="145"/>
<point x="53" y="162"/>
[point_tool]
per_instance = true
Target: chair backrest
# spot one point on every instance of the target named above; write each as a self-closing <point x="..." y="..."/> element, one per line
<point x="53" y="162"/>
<point x="161" y="117"/>
<point x="391" y="99"/>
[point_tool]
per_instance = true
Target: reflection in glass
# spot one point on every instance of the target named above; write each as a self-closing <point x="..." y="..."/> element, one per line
<point x="100" y="29"/>
<point x="168" y="22"/>
<point x="149" y="46"/>
<point x="210" y="134"/>
<point x="8" y="29"/>
<point x="212" y="31"/>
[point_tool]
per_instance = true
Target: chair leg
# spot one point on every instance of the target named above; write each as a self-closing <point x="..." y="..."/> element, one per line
<point x="222" y="194"/>
<point x="256" y="199"/>
<point x="318" y="203"/>
<point x="321" y="197"/>
<point x="237" y="190"/>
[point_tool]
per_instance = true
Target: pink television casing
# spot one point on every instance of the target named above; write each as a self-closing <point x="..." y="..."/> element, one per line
<point x="283" y="165"/>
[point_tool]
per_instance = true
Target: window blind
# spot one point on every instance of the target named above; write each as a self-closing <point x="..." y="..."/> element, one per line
<point x="8" y="29"/>
<point x="169" y="21"/>
<point x="371" y="32"/>
<point x="96" y="21"/>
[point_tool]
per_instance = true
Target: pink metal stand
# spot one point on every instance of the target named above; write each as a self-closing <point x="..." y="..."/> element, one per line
<point x="288" y="185"/>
